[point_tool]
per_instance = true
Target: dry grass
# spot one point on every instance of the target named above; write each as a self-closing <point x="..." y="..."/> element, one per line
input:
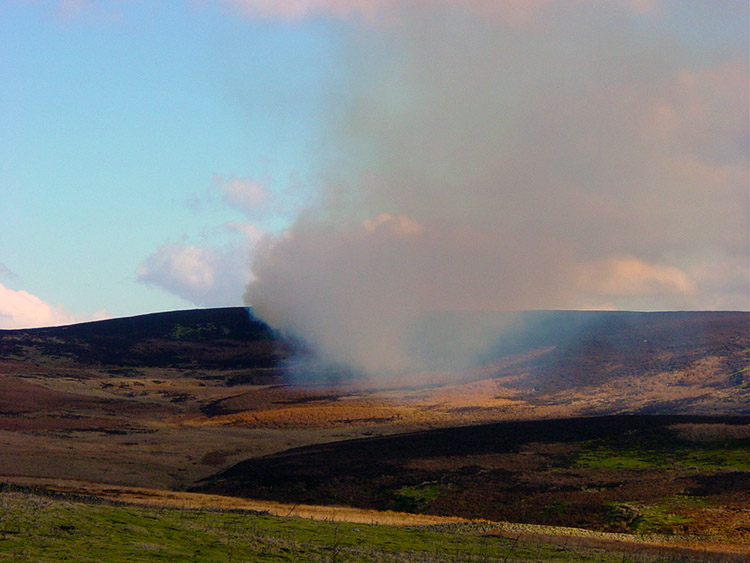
<point x="172" y="499"/>
<point x="566" y="538"/>
<point x="315" y="416"/>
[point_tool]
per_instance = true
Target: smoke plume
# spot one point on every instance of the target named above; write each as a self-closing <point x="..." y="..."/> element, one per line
<point x="585" y="156"/>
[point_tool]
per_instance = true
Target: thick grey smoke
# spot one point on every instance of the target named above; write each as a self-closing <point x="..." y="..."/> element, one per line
<point x="589" y="156"/>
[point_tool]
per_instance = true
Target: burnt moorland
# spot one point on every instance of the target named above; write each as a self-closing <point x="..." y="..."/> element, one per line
<point x="583" y="472"/>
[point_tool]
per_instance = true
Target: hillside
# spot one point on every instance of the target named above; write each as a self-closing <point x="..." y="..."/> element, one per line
<point x="203" y="338"/>
<point x="543" y="351"/>
<point x="642" y="473"/>
<point x="623" y="422"/>
<point x="168" y="398"/>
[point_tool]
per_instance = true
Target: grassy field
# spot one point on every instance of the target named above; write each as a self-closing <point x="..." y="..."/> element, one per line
<point x="48" y="528"/>
<point x="667" y="453"/>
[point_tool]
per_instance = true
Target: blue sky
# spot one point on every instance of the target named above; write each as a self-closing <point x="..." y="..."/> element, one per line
<point x="118" y="127"/>
<point x="147" y="148"/>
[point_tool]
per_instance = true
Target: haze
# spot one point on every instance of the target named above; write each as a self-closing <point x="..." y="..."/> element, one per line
<point x="356" y="168"/>
<point x="500" y="156"/>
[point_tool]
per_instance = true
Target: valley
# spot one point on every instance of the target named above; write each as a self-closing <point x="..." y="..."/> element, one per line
<point x="633" y="423"/>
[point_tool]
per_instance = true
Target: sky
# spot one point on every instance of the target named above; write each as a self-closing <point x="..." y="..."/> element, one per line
<point x="345" y="166"/>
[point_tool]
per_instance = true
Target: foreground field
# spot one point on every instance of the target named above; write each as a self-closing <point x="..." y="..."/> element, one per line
<point x="40" y="525"/>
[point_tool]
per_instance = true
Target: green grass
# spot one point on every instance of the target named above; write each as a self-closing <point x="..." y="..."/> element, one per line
<point x="666" y="452"/>
<point x="50" y="529"/>
<point x="663" y="517"/>
<point x="416" y="499"/>
<point x="657" y="521"/>
<point x="180" y="332"/>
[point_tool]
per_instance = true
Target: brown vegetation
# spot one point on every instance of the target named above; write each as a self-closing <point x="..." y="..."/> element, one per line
<point x="166" y="400"/>
<point x="572" y="472"/>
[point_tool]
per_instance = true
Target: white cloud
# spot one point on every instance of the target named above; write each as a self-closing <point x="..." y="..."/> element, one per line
<point x="399" y="225"/>
<point x="21" y="309"/>
<point x="516" y="12"/>
<point x="298" y="9"/>
<point x="247" y="195"/>
<point x="252" y="233"/>
<point x="627" y="276"/>
<point x="208" y="274"/>
<point x="205" y="276"/>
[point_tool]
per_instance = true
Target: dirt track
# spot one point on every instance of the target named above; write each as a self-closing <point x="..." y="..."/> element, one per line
<point x="570" y="537"/>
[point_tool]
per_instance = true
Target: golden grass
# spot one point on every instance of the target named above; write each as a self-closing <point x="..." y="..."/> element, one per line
<point x="159" y="498"/>
<point x="171" y="499"/>
<point x="311" y="416"/>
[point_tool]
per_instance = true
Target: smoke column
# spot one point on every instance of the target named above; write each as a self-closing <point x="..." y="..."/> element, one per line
<point x="577" y="155"/>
